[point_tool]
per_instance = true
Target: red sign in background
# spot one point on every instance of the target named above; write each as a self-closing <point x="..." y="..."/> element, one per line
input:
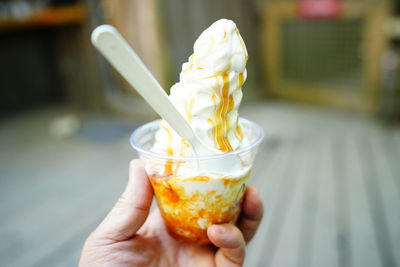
<point x="319" y="9"/>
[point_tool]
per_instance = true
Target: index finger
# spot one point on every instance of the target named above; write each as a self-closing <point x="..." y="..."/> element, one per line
<point x="252" y="213"/>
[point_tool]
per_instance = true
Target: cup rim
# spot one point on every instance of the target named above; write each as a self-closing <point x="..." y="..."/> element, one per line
<point x="247" y="148"/>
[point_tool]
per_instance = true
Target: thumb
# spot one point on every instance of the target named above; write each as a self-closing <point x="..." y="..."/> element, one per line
<point x="132" y="208"/>
<point x="231" y="244"/>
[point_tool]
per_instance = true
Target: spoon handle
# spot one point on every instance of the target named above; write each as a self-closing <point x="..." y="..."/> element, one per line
<point x="117" y="51"/>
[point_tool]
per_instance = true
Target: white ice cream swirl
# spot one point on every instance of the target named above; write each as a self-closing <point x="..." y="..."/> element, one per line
<point x="209" y="92"/>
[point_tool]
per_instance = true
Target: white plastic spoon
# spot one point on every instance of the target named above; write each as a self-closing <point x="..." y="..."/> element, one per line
<point x="118" y="52"/>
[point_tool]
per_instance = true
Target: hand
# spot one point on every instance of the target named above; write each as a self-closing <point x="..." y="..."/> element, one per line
<point x="129" y="237"/>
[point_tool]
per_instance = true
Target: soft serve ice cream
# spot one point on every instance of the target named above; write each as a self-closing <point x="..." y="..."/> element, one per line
<point x="209" y="92"/>
<point x="208" y="95"/>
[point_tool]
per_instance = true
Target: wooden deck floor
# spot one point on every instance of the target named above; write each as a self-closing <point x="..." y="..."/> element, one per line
<point x="330" y="182"/>
<point x="331" y="186"/>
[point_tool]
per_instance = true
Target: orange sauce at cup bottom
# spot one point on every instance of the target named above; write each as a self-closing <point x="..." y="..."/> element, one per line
<point x="188" y="212"/>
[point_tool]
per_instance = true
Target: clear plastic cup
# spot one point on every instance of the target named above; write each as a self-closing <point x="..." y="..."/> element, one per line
<point x="190" y="201"/>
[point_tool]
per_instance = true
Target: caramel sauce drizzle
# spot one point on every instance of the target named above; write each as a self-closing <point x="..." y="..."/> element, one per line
<point x="241" y="79"/>
<point x="182" y="210"/>
<point x="221" y="122"/>
<point x="184" y="145"/>
<point x="239" y="132"/>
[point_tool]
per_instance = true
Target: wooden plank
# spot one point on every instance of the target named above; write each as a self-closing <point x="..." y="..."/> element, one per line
<point x="66" y="220"/>
<point x="271" y="177"/>
<point x="342" y="202"/>
<point x="51" y="185"/>
<point x="67" y="223"/>
<point x="281" y="201"/>
<point x="325" y="252"/>
<point x="18" y="194"/>
<point x="364" y="247"/>
<point x="66" y="251"/>
<point x="375" y="203"/>
<point x="386" y="180"/>
<point x="310" y="205"/>
<point x="391" y="144"/>
<point x="288" y="246"/>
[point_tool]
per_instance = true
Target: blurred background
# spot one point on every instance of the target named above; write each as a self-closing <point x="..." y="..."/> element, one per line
<point x="323" y="81"/>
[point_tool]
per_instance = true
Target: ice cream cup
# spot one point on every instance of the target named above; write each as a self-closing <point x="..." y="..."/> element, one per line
<point x="190" y="201"/>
